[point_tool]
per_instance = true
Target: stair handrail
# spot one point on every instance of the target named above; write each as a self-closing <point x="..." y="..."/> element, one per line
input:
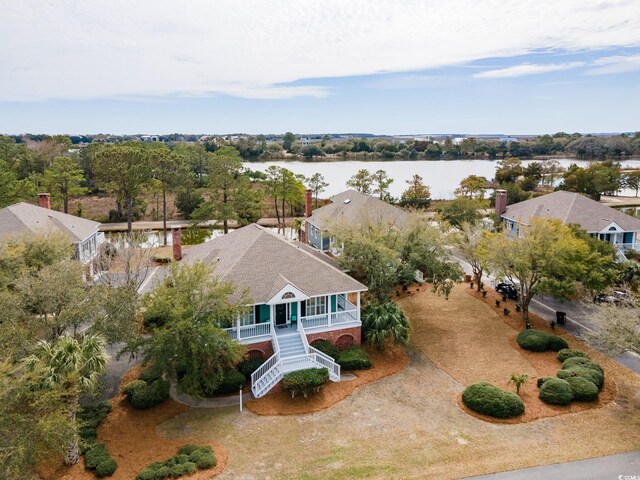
<point x="313" y="353"/>
<point x="271" y="362"/>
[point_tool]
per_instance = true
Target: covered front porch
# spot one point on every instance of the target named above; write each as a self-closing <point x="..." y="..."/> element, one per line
<point x="316" y="314"/>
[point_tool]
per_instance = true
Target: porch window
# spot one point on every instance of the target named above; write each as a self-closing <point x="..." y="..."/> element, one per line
<point x="316" y="306"/>
<point x="247" y="318"/>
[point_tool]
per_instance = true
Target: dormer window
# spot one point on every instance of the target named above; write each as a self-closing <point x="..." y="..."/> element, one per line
<point x="288" y="295"/>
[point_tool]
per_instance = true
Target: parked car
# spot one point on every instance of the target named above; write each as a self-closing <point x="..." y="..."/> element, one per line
<point x="507" y="289"/>
<point x="616" y="297"/>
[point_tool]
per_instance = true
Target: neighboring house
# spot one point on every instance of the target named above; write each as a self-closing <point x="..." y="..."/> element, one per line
<point x="598" y="220"/>
<point x="25" y="218"/>
<point x="298" y="296"/>
<point x="349" y="208"/>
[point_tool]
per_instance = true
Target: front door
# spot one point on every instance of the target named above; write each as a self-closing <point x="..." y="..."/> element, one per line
<point x="281" y="314"/>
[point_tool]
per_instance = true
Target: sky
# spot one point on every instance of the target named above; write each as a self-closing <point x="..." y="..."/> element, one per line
<point x="316" y="66"/>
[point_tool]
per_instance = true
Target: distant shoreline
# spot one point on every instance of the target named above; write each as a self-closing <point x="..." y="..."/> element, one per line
<point x="354" y="158"/>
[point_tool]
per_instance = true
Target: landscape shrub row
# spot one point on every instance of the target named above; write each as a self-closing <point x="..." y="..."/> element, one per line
<point x="540" y="341"/>
<point x="98" y="460"/>
<point x="306" y="382"/>
<point x="96" y="455"/>
<point x="490" y="400"/>
<point x="352" y="358"/>
<point x="579" y="379"/>
<point x="188" y="459"/>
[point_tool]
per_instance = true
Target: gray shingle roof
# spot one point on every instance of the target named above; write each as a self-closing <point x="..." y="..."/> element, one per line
<point x="354" y="208"/>
<point x="569" y="208"/>
<point x="25" y="217"/>
<point x="263" y="262"/>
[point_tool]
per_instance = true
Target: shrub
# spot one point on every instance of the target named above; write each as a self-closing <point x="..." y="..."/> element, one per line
<point x="581" y="362"/>
<point x="89" y="419"/>
<point x="106" y="468"/>
<point x="556" y="391"/>
<point x="540" y="341"/>
<point x="147" y="474"/>
<point x="541" y="380"/>
<point x="593" y="375"/>
<point x="328" y="348"/>
<point x="583" y="390"/>
<point x="232" y="381"/>
<point x="188" y="449"/>
<point x="490" y="400"/>
<point x="206" y="460"/>
<point x="150" y="374"/>
<point x="183" y="469"/>
<point x="566" y="353"/>
<point x="96" y="455"/>
<point x="306" y="381"/>
<point x="354" y="358"/>
<point x="182" y="458"/>
<point x="142" y="395"/>
<point x="247" y="367"/>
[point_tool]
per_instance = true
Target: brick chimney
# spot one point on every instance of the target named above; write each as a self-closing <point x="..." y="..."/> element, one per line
<point x="176" y="239"/>
<point x="307" y="207"/>
<point x="501" y="202"/>
<point x="44" y="200"/>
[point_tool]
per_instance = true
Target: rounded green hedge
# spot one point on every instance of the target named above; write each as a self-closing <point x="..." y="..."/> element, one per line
<point x="556" y="391"/>
<point x="566" y="353"/>
<point x="581" y="362"/>
<point x="247" y="367"/>
<point x="490" y="400"/>
<point x="326" y="347"/>
<point x="583" y="390"/>
<point x="591" y="374"/>
<point x="232" y="381"/>
<point x="96" y="455"/>
<point x="188" y="459"/>
<point x="354" y="358"/>
<point x="306" y="381"/>
<point x="143" y="395"/>
<point x="541" y="381"/>
<point x="540" y="341"/>
<point x="106" y="468"/>
<point x="206" y="460"/>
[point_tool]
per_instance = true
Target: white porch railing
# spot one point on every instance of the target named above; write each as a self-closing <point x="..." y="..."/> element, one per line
<point x="346" y="316"/>
<point x="628" y="246"/>
<point x="319" y="357"/>
<point x="243" y="332"/>
<point x="329" y="319"/>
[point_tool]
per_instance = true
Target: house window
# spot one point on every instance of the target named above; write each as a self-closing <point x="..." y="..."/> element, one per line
<point x="316" y="306"/>
<point x="247" y="318"/>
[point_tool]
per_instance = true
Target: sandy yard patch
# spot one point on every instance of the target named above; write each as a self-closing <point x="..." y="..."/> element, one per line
<point x="132" y="439"/>
<point x="385" y="363"/>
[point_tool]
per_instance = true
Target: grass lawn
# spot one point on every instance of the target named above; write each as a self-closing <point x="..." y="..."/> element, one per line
<point x="409" y="425"/>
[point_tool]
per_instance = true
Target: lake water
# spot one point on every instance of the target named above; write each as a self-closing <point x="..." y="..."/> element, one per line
<point x="442" y="176"/>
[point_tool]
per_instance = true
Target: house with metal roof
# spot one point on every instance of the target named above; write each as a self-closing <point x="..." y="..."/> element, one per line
<point x="598" y="220"/>
<point x="27" y="219"/>
<point x="350" y="208"/>
<point x="298" y="296"/>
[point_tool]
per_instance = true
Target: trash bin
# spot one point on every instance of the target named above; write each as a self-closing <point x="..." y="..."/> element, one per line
<point x="561" y="318"/>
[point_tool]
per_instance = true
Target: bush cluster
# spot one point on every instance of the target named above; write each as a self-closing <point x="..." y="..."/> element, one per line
<point x="188" y="459"/>
<point x="541" y="381"/>
<point x="306" y="381"/>
<point x="354" y="358"/>
<point x="556" y="392"/>
<point x="97" y="458"/>
<point x="583" y="390"/>
<point x="89" y="419"/>
<point x="490" y="400"/>
<point x="328" y="348"/>
<point x="247" y="367"/>
<point x="540" y="341"/>
<point x="143" y="395"/>
<point x="591" y="374"/>
<point x="566" y="353"/>
<point x="232" y="381"/>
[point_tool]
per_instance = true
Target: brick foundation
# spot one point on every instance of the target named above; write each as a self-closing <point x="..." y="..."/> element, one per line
<point x="259" y="350"/>
<point x="342" y="339"/>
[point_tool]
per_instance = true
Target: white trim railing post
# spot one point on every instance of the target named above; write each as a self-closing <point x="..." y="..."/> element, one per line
<point x="238" y="328"/>
<point x="358" y="306"/>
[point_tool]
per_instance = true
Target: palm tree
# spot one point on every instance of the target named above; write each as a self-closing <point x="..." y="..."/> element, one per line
<point x="75" y="365"/>
<point x="382" y="321"/>
<point x="518" y="380"/>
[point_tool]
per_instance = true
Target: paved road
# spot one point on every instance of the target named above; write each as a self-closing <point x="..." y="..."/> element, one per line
<point x="577" y="323"/>
<point x="625" y="466"/>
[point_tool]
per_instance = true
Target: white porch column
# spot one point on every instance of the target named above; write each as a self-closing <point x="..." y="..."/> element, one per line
<point x="238" y="327"/>
<point x="329" y="309"/>
<point x="358" y="305"/>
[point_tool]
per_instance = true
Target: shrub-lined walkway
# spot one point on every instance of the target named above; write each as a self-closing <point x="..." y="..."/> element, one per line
<point x="474" y="342"/>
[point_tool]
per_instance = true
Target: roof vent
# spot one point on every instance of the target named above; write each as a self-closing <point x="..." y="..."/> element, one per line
<point x="348" y="200"/>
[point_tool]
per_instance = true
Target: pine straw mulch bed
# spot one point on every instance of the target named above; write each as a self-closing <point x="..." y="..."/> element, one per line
<point x="388" y="362"/>
<point x="474" y="341"/>
<point x="131" y="437"/>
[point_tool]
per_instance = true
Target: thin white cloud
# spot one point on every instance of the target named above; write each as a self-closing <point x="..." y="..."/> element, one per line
<point x="615" y="64"/>
<point x="258" y="49"/>
<point x="528" y="69"/>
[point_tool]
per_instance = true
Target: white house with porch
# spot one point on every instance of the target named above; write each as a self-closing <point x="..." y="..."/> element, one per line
<point x="598" y="220"/>
<point x="298" y="296"/>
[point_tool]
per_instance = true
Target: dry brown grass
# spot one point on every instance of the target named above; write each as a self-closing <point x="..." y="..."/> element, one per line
<point x="390" y="361"/>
